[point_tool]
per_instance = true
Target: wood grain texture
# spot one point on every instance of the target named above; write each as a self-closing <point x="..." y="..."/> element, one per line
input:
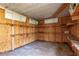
<point x="24" y="33"/>
<point x="53" y="32"/>
<point x="5" y="37"/>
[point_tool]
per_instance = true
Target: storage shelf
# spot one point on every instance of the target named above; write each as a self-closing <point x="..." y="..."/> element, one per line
<point x="67" y="25"/>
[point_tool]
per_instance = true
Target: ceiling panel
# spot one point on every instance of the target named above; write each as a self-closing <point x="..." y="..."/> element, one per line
<point x="35" y="10"/>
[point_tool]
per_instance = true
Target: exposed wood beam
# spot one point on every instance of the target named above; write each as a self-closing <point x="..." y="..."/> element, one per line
<point x="60" y="9"/>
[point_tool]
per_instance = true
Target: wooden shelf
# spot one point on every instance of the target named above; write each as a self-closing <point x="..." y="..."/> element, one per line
<point x="67" y="25"/>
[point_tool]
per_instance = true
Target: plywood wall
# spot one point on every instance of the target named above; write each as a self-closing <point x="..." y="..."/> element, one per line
<point x="53" y="32"/>
<point x="5" y="36"/>
<point x="5" y="33"/>
<point x="74" y="30"/>
<point x="14" y="34"/>
<point x="23" y="33"/>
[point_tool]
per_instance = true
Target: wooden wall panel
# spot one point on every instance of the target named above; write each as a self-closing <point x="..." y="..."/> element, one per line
<point x="53" y="32"/>
<point x="40" y="36"/>
<point x="2" y="11"/>
<point x="58" y="34"/>
<point x="24" y="33"/>
<point x="16" y="43"/>
<point x="46" y="32"/>
<point x="58" y="29"/>
<point x="46" y="37"/>
<point x="5" y="33"/>
<point x="5" y="37"/>
<point x="51" y="37"/>
<point x="58" y="37"/>
<point x="78" y="29"/>
<point x="74" y="30"/>
<point x="9" y="37"/>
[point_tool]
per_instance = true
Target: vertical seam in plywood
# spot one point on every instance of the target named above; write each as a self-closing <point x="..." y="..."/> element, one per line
<point x="12" y="37"/>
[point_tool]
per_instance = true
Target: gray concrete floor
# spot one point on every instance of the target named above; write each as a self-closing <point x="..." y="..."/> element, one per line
<point x="41" y="48"/>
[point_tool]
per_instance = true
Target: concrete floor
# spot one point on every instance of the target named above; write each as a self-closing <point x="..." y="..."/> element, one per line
<point x="41" y="48"/>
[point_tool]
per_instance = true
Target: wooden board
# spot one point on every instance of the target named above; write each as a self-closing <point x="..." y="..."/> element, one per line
<point x="5" y="37"/>
<point x="2" y="15"/>
<point x="23" y="33"/>
<point x="51" y="37"/>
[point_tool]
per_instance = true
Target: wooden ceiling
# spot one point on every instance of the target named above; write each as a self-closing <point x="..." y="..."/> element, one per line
<point x="37" y="10"/>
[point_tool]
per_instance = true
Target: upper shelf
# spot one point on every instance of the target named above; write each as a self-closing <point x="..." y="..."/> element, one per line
<point x="75" y="17"/>
<point x="68" y="24"/>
